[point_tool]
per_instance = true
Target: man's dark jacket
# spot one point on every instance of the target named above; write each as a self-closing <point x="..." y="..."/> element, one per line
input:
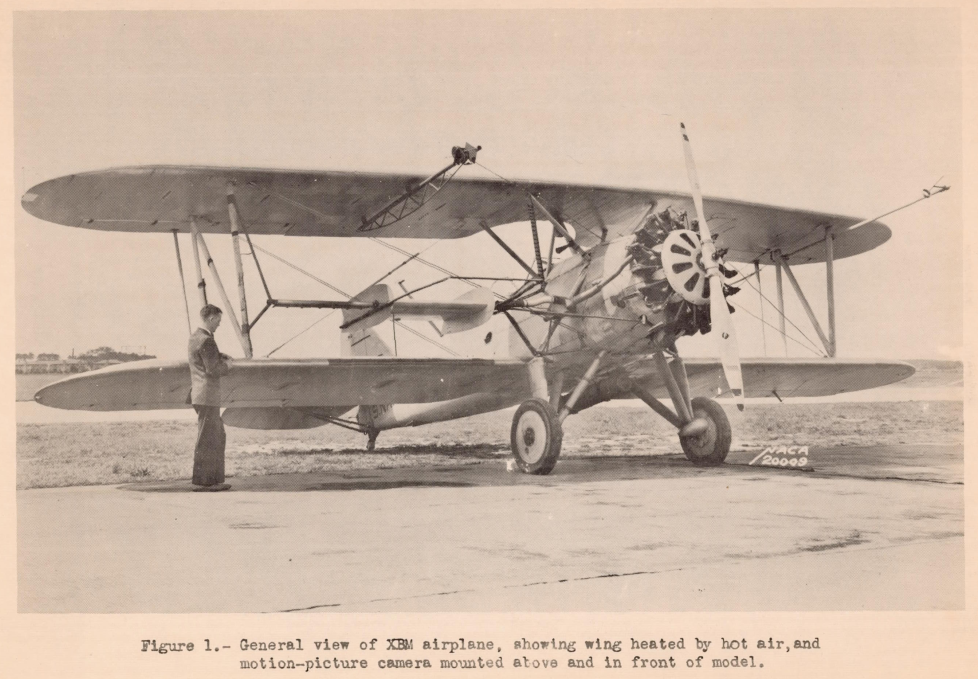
<point x="207" y="364"/>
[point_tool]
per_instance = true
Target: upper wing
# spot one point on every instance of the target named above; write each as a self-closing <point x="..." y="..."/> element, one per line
<point x="309" y="203"/>
<point x="787" y="377"/>
<point x="289" y="383"/>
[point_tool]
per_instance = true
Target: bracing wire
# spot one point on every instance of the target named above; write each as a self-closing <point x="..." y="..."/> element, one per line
<point x="574" y="221"/>
<point x="302" y="332"/>
<point x="339" y="292"/>
<point x="787" y="336"/>
<point x="775" y="307"/>
<point x="302" y="271"/>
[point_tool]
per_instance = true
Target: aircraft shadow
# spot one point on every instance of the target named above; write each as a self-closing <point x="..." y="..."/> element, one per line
<point x="489" y="471"/>
<point x="481" y="451"/>
<point x="488" y="466"/>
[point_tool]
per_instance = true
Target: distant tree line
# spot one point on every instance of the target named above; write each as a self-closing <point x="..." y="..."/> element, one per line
<point x="110" y="354"/>
<point x="93" y="358"/>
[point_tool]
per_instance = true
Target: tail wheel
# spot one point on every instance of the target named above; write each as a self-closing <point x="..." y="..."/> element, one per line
<point x="536" y="436"/>
<point x="711" y="447"/>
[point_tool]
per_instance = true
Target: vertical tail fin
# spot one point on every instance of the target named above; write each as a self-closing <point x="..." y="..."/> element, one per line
<point x="364" y="342"/>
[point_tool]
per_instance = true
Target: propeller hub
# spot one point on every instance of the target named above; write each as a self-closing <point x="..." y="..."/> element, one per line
<point x="684" y="259"/>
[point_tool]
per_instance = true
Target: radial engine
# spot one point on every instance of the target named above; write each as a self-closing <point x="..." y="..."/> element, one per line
<point x="667" y="285"/>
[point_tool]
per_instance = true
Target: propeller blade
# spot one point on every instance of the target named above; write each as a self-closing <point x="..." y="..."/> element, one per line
<point x="694" y="187"/>
<point x="720" y="319"/>
<point x="723" y="328"/>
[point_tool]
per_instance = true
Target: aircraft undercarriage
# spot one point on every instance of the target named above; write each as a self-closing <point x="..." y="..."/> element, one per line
<point x="537" y="430"/>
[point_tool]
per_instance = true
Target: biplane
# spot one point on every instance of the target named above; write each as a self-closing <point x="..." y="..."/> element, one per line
<point x="596" y="317"/>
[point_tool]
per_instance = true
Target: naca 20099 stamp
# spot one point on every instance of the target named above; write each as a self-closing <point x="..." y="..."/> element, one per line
<point x="782" y="456"/>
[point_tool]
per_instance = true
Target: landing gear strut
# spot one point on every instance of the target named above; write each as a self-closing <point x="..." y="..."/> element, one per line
<point x="704" y="430"/>
<point x="536" y="436"/>
<point x="537" y="426"/>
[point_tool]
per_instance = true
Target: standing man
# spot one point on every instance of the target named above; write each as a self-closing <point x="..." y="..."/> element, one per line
<point x="207" y="365"/>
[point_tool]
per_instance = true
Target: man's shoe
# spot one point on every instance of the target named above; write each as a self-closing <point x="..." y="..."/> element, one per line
<point x="211" y="489"/>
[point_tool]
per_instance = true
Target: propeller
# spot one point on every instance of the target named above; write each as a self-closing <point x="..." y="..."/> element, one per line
<point x="719" y="312"/>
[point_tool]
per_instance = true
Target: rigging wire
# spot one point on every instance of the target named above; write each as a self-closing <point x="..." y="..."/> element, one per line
<point x="465" y="279"/>
<point x="775" y="307"/>
<point x="559" y="323"/>
<point x="425" y="338"/>
<point x="268" y="355"/>
<point x="410" y="256"/>
<point x="375" y="239"/>
<point x="430" y="265"/>
<point x="344" y="294"/>
<point x="787" y="336"/>
<point x="508" y="181"/>
<point x="416" y="255"/>
<point x="302" y="271"/>
<point x="574" y="221"/>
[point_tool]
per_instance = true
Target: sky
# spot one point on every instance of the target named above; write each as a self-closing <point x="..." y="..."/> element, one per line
<point x="845" y="111"/>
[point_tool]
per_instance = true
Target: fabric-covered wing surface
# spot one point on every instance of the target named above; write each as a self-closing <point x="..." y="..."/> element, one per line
<point x="260" y="383"/>
<point x="789" y="377"/>
<point x="324" y="203"/>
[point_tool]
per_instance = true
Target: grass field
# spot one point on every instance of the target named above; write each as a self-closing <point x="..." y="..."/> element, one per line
<point x="118" y="452"/>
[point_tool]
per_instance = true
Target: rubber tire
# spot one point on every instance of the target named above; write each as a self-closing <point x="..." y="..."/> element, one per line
<point x="710" y="448"/>
<point x="553" y="431"/>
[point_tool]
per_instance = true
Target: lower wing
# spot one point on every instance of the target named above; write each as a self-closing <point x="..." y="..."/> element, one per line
<point x="784" y="377"/>
<point x="348" y="382"/>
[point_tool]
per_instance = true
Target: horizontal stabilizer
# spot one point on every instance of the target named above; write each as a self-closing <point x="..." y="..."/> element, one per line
<point x="378" y="295"/>
<point x="471" y="310"/>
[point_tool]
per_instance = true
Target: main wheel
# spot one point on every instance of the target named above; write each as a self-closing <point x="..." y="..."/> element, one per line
<point x="536" y="436"/>
<point x="711" y="447"/>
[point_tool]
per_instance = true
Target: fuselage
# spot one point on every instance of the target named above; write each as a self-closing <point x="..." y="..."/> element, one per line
<point x="631" y="312"/>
